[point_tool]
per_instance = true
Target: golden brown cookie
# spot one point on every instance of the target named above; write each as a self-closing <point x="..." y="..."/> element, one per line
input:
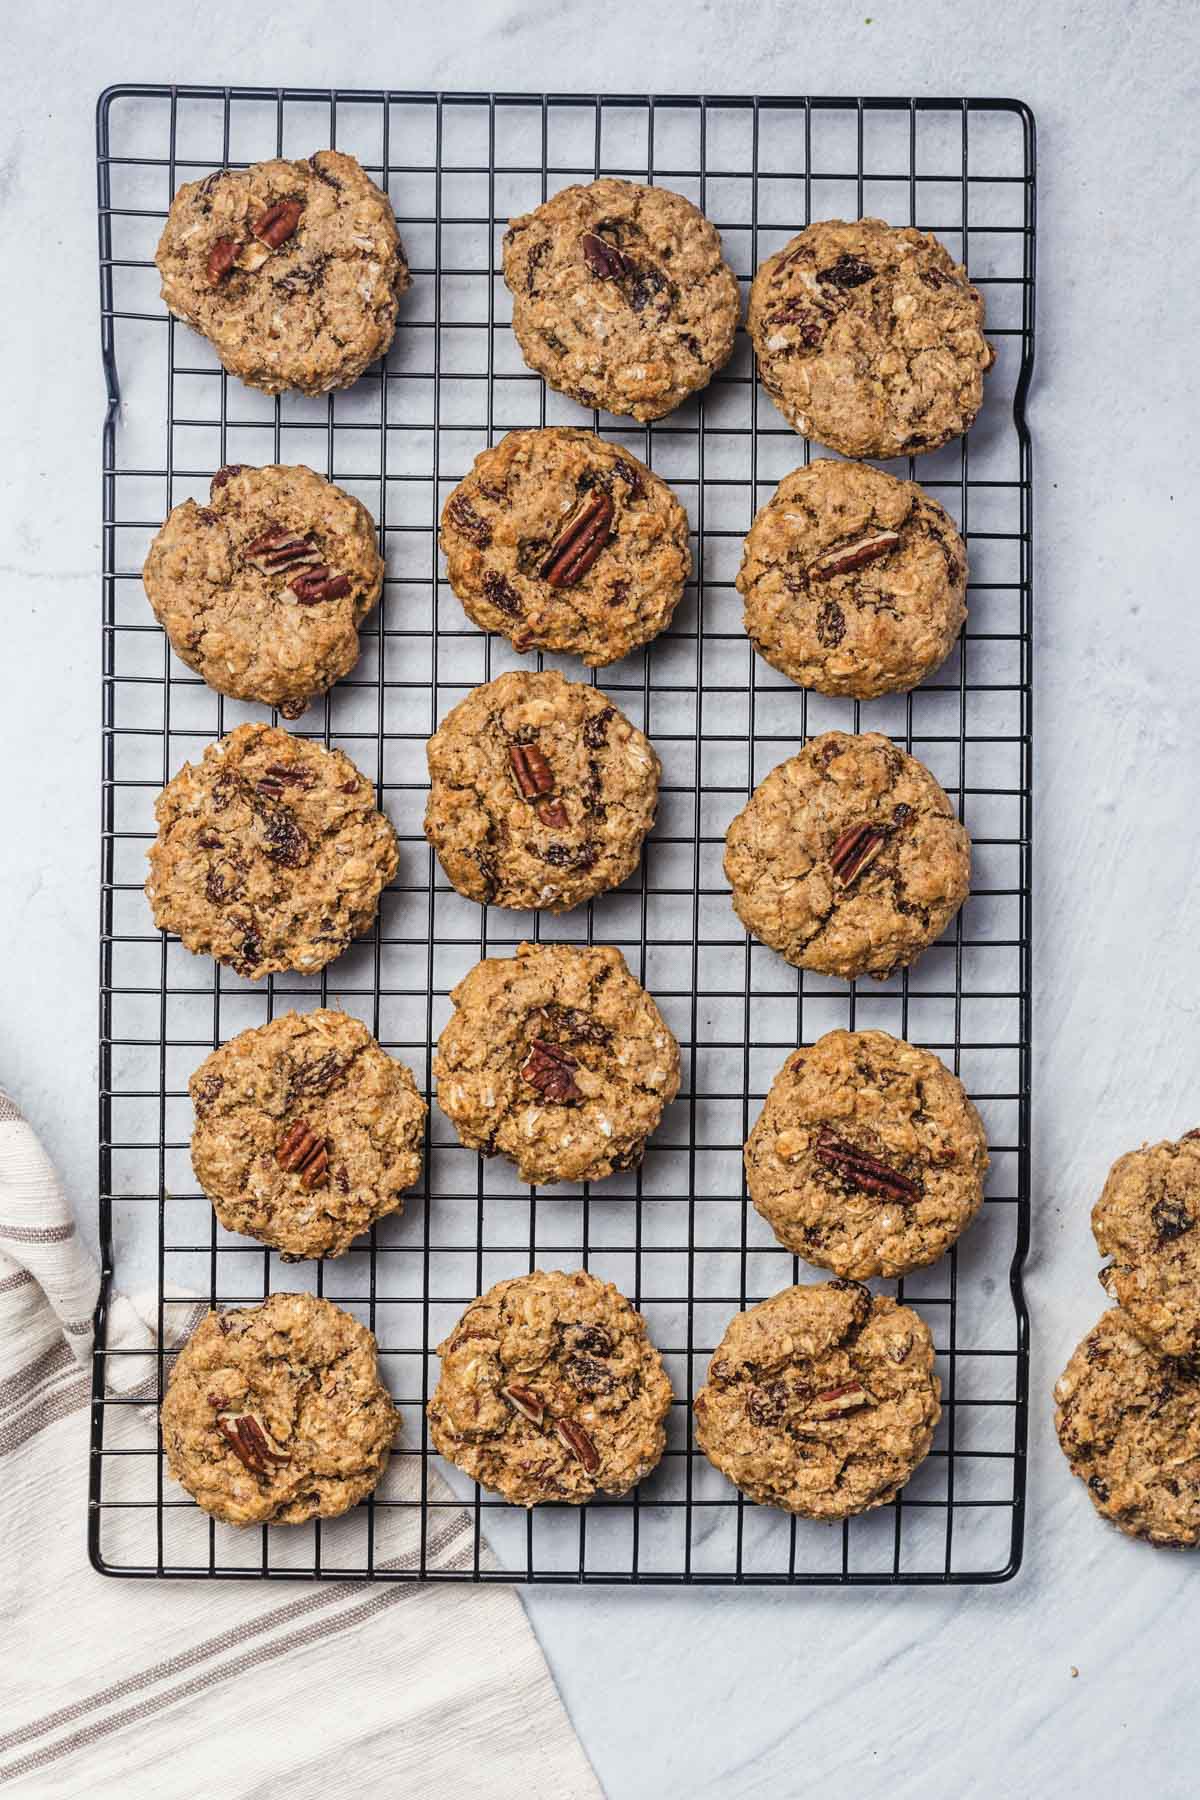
<point x="563" y="541"/>
<point x="557" y="1059"/>
<point x="821" y="1400"/>
<point x="270" y="853"/>
<point x="1129" y="1424"/>
<point x="1148" y="1220"/>
<point x="868" y="1157"/>
<point x="292" y="270"/>
<point x="869" y="338"/>
<point x="275" y="1413"/>
<point x="541" y="792"/>
<point x="551" y="1390"/>
<point x="854" y="582"/>
<point x="620" y="296"/>
<point x="306" y="1132"/>
<point x="848" y="858"/>
<point x="263" y="590"/>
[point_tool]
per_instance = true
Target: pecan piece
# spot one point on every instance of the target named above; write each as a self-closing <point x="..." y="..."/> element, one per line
<point x="845" y="557"/>
<point x="837" y="1400"/>
<point x="249" y="1442"/>
<point x="552" y="813"/>
<point x="279" y="548"/>
<point x="531" y="1405"/>
<point x="603" y="258"/>
<point x="578" y="1443"/>
<point x="221" y="259"/>
<point x="548" y="1069"/>
<point x="278" y="223"/>
<point x="579" y="543"/>
<point x="301" y="1152"/>
<point x="319" y="584"/>
<point x="864" y="1171"/>
<point x="533" y="773"/>
<point x="854" y="851"/>
<point x="277" y="776"/>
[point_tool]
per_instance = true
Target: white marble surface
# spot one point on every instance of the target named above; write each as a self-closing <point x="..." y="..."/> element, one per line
<point x="745" y="1693"/>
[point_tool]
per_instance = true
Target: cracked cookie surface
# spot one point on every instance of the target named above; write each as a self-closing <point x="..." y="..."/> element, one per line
<point x="868" y="1157"/>
<point x="1148" y="1220"/>
<point x="561" y="540"/>
<point x="620" y="296"/>
<point x="551" y="1390"/>
<point x="1128" y="1421"/>
<point x="275" y="1413"/>
<point x="541" y="792"/>
<point x="854" y="582"/>
<point x="270" y="853"/>
<point x="821" y="1400"/>
<point x="848" y="858"/>
<point x="292" y="270"/>
<point x="557" y="1059"/>
<point x="262" y="590"/>
<point x="869" y="338"/>
<point x="306" y="1132"/>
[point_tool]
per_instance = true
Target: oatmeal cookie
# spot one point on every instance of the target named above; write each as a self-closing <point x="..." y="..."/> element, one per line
<point x="263" y="590"/>
<point x="854" y="582"/>
<point x="869" y="338"/>
<point x="563" y="541"/>
<point x="867" y="1158"/>
<point x="275" y="1413"/>
<point x="821" y="1400"/>
<point x="1129" y="1424"/>
<point x="1148" y="1220"/>
<point x="557" y="1059"/>
<point x="551" y="1390"/>
<point x="848" y="858"/>
<point x="541" y="792"/>
<point x="292" y="270"/>
<point x="620" y="296"/>
<point x="306" y="1132"/>
<point x="270" y="853"/>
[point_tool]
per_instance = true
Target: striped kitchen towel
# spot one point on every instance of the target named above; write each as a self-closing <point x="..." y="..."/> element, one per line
<point x="148" y="1689"/>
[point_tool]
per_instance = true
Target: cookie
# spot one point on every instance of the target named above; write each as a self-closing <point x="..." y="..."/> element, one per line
<point x="1148" y="1220"/>
<point x="262" y="591"/>
<point x="558" y="1060"/>
<point x="541" y="793"/>
<point x="821" y="1400"/>
<point x="854" y="582"/>
<point x="867" y="1158"/>
<point x="306" y="1132"/>
<point x="292" y="270"/>
<point x="848" y="858"/>
<point x="869" y="338"/>
<point x="562" y="541"/>
<point x="620" y="296"/>
<point x="270" y="853"/>
<point x="551" y="1390"/>
<point x="1128" y="1421"/>
<point x="275" y="1413"/>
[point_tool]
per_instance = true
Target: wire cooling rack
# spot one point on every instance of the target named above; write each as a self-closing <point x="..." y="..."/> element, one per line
<point x="677" y="1236"/>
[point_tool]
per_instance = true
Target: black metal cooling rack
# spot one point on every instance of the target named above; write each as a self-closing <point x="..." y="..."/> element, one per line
<point x="678" y="1235"/>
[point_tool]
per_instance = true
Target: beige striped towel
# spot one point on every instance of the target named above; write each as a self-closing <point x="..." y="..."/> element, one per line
<point x="172" y="1689"/>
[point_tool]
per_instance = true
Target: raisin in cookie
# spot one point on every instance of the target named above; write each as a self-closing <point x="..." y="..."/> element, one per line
<point x="562" y="541"/>
<point x="551" y="1390"/>
<point x="854" y="582"/>
<point x="822" y="1400"/>
<point x="557" y="1059"/>
<point x="306" y="1132"/>
<point x="867" y="1158"/>
<point x="270" y="853"/>
<point x="620" y="296"/>
<point x="292" y="270"/>
<point x="541" y="792"/>
<point x="263" y="590"/>
<point x="869" y="338"/>
<point x="1148" y="1220"/>
<point x="848" y="858"/>
<point x="1128" y="1421"/>
<point x="275" y="1413"/>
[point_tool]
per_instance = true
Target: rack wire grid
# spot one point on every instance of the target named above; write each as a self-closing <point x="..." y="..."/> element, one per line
<point x="677" y="1236"/>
